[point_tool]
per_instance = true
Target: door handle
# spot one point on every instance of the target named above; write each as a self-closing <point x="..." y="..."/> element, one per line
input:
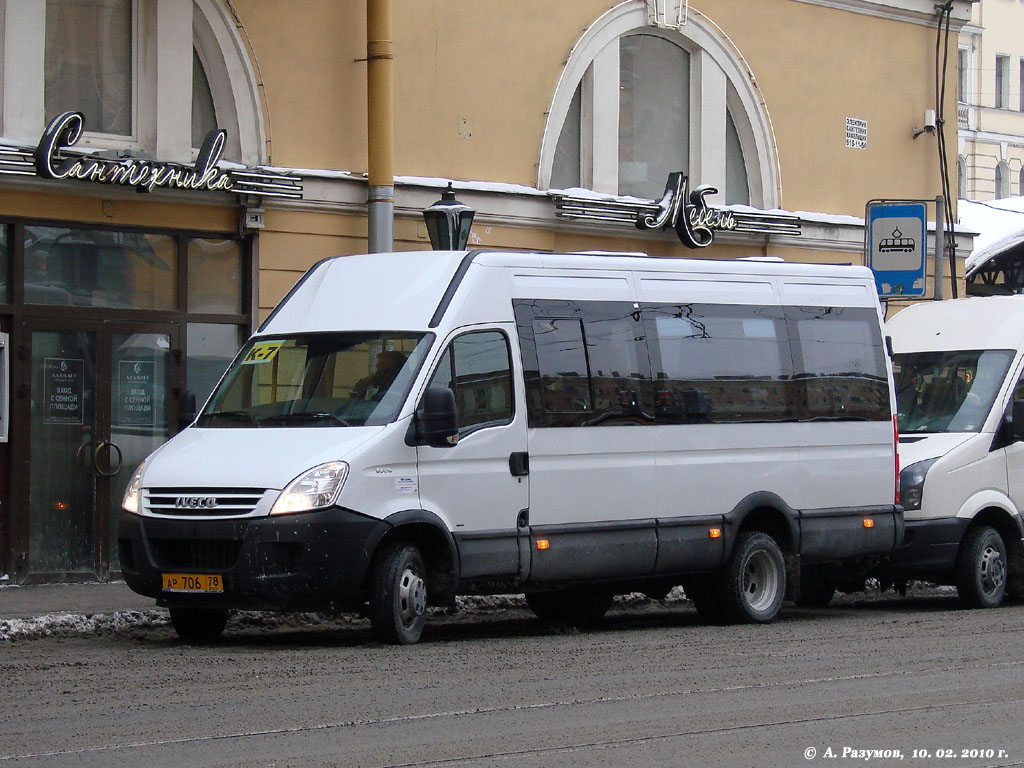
<point x="519" y="464"/>
<point x="111" y="470"/>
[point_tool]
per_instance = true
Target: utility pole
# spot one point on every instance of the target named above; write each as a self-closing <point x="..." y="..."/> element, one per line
<point x="380" y="116"/>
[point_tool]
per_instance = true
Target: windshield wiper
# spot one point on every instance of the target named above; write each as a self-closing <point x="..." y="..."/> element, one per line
<point x="229" y="416"/>
<point x="287" y="418"/>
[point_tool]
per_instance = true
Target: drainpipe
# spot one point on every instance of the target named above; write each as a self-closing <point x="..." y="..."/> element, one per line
<point x="380" y="127"/>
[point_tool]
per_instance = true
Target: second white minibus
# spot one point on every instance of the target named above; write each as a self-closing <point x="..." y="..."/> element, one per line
<point x="960" y="391"/>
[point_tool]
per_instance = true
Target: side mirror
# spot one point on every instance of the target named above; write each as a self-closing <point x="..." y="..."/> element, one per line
<point x="437" y="423"/>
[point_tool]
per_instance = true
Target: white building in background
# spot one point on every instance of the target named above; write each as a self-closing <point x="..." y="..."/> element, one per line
<point x="990" y="112"/>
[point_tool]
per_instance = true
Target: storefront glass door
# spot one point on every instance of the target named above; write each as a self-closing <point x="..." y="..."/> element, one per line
<point x="99" y="403"/>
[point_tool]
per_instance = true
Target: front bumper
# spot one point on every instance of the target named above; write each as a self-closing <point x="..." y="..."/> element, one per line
<point x="307" y="561"/>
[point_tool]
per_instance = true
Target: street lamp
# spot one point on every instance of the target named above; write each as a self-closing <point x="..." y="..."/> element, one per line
<point x="448" y="222"/>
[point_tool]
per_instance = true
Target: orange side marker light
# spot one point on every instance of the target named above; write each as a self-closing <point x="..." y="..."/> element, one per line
<point x="715" y="533"/>
<point x="869" y="523"/>
<point x="543" y="544"/>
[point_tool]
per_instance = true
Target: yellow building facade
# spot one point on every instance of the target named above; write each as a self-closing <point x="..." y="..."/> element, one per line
<point x="169" y="169"/>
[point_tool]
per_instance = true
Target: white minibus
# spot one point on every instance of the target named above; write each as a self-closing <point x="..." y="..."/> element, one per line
<point x="409" y="427"/>
<point x="959" y="369"/>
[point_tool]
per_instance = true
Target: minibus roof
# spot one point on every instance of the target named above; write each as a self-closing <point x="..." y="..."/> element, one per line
<point x="409" y="291"/>
<point x="982" y="322"/>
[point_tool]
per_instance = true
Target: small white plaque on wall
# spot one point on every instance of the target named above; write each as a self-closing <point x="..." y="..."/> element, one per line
<point x="856" y="133"/>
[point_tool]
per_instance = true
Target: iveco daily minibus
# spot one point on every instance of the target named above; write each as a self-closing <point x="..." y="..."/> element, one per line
<point x="408" y="427"/>
<point x="960" y="394"/>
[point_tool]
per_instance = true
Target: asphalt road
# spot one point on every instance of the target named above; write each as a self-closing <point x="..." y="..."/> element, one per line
<point x="497" y="687"/>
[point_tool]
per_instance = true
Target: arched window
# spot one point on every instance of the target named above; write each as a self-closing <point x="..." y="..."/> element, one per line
<point x="636" y="102"/>
<point x="105" y="59"/>
<point x="1002" y="180"/>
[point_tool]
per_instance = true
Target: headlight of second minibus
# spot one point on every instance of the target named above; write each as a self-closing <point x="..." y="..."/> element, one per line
<point x="130" y="503"/>
<point x="912" y="483"/>
<point x="316" y="489"/>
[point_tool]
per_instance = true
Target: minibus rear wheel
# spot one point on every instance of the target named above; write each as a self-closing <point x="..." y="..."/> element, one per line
<point x="981" y="569"/>
<point x="753" y="585"/>
<point x="398" y="594"/>
<point x="196" y="624"/>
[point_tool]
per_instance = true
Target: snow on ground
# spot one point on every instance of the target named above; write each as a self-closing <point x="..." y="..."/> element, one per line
<point x="76" y="625"/>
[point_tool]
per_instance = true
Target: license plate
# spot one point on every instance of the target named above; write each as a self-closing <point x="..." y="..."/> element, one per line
<point x="199" y="583"/>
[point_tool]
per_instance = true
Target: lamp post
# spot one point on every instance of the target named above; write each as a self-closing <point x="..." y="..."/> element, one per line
<point x="448" y="222"/>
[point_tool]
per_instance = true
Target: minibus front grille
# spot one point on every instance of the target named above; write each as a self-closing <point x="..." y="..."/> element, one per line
<point x="195" y="554"/>
<point x="202" y="502"/>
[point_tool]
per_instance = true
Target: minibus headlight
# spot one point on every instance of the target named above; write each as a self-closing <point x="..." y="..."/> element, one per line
<point x="316" y="489"/>
<point x="130" y="503"/>
<point x="912" y="483"/>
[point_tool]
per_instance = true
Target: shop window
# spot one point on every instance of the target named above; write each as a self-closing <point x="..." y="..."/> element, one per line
<point x="204" y="114"/>
<point x="88" y="62"/>
<point x="636" y="102"/>
<point x="214" y="276"/>
<point x="964" y="75"/>
<point x="1002" y="82"/>
<point x="211" y="347"/>
<point x="736" y="187"/>
<point x="140" y="91"/>
<point x="1002" y="180"/>
<point x="99" y="268"/>
<point x="654" y="113"/>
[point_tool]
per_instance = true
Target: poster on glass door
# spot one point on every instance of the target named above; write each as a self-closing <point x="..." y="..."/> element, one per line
<point x="63" y="390"/>
<point x="135" y="392"/>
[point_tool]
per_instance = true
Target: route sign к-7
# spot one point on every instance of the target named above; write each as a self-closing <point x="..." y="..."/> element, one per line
<point x="896" y="234"/>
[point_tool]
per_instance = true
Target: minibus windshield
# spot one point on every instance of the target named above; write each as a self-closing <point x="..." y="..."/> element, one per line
<point x="948" y="391"/>
<point x="318" y="380"/>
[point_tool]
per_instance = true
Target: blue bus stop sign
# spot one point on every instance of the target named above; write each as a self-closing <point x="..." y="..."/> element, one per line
<point x="896" y="245"/>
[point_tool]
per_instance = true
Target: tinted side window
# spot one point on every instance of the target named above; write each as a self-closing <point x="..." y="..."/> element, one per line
<point x="562" y="364"/>
<point x="476" y="366"/>
<point x="585" y="363"/>
<point x="840" y="363"/>
<point x="718" y="363"/>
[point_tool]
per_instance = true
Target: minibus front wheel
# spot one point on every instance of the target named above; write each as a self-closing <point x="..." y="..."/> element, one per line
<point x="398" y="594"/>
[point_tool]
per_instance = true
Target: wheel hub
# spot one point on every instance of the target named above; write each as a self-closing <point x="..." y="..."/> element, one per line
<point x="760" y="581"/>
<point x="412" y="597"/>
<point x="993" y="570"/>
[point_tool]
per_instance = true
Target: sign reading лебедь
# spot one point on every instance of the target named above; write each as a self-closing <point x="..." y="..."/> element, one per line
<point x="896" y="235"/>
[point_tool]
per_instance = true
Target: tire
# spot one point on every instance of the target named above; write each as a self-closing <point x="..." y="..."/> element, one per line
<point x="398" y="595"/>
<point x="981" y="569"/>
<point x="816" y="589"/>
<point x="196" y="624"/>
<point x="753" y="585"/>
<point x="577" y="606"/>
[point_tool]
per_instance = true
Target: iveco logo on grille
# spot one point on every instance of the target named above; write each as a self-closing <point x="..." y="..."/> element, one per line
<point x="195" y="502"/>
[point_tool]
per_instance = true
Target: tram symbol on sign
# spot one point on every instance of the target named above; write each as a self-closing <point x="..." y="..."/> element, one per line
<point x="897" y="243"/>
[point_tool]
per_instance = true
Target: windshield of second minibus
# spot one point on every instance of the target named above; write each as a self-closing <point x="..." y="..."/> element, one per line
<point x="318" y="380"/>
<point x="948" y="391"/>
